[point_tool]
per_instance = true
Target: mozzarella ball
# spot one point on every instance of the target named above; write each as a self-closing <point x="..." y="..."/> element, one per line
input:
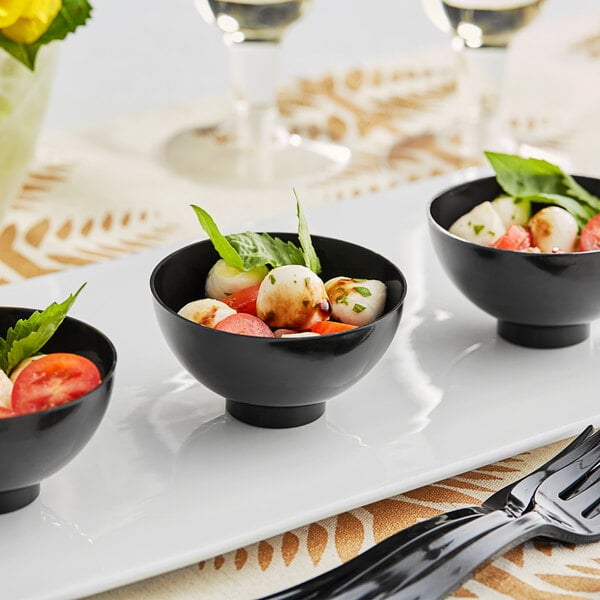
<point x="356" y="301"/>
<point x="6" y="386"/>
<point x="553" y="229"/>
<point x="481" y="225"/>
<point x="292" y="297"/>
<point x="223" y="280"/>
<point x="512" y="211"/>
<point x="207" y="311"/>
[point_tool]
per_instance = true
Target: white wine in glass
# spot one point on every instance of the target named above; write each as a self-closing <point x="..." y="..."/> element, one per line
<point x="252" y="148"/>
<point x="489" y="22"/>
<point x="482" y="31"/>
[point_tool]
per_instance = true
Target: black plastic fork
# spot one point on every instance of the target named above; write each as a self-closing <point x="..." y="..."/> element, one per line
<point x="358" y="578"/>
<point x="566" y="508"/>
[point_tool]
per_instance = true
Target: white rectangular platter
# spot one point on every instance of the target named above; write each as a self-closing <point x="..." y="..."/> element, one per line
<point x="169" y="479"/>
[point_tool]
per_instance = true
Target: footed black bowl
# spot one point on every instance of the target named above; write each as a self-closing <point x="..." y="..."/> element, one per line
<point x="539" y="300"/>
<point x="36" y="445"/>
<point x="275" y="382"/>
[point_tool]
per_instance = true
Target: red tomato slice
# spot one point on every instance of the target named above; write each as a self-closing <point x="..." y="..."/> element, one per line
<point x="515" y="238"/>
<point x="6" y="412"/>
<point x="244" y="324"/>
<point x="590" y="235"/>
<point x="53" y="380"/>
<point x="244" y="301"/>
<point x="328" y="327"/>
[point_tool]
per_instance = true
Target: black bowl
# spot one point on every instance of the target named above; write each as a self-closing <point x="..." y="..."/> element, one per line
<point x="36" y="445"/>
<point x="275" y="382"/>
<point x="539" y="300"/>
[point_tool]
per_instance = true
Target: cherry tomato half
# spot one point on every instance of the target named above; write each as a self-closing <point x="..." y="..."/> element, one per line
<point x="6" y="412"/>
<point x="53" y="380"/>
<point x="244" y="301"/>
<point x="590" y="235"/>
<point x="515" y="238"/>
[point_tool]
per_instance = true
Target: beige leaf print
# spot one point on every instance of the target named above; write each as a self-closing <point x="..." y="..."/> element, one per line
<point x="349" y="536"/>
<point x="316" y="542"/>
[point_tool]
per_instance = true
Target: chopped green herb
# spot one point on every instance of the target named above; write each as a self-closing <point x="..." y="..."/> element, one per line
<point x="272" y="278"/>
<point x="477" y="228"/>
<point x="307" y="281"/>
<point x="358" y="308"/>
<point x="363" y="291"/>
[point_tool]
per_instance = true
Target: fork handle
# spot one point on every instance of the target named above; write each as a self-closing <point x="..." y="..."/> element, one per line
<point x="333" y="583"/>
<point x="442" y="573"/>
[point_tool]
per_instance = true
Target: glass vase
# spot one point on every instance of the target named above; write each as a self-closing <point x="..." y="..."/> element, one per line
<point x="24" y="97"/>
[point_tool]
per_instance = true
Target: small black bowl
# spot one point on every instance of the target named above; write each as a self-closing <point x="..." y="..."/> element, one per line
<point x="275" y="382"/>
<point x="36" y="445"/>
<point x="539" y="300"/>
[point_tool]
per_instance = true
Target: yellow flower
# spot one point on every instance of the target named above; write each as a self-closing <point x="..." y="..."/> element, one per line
<point x="10" y="11"/>
<point x="33" y="20"/>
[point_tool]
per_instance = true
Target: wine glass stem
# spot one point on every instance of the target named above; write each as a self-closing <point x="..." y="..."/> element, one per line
<point x="479" y="93"/>
<point x="254" y="67"/>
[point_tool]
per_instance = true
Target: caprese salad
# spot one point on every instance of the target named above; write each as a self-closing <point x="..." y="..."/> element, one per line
<point x="263" y="286"/>
<point x="30" y="381"/>
<point x="542" y="209"/>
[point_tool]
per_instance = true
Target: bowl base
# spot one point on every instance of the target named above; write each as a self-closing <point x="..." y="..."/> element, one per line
<point x="14" y="499"/>
<point x="539" y="336"/>
<point x="275" y="417"/>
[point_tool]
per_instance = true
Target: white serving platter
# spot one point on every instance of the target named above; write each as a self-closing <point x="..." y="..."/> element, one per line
<point x="169" y="479"/>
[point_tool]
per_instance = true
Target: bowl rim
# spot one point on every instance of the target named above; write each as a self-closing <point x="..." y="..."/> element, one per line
<point x="105" y="379"/>
<point x="529" y="255"/>
<point x="281" y="340"/>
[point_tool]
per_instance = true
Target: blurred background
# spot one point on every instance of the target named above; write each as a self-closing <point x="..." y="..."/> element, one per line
<point x="139" y="54"/>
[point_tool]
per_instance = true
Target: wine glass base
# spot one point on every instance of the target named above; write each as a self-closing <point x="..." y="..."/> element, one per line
<point x="206" y="157"/>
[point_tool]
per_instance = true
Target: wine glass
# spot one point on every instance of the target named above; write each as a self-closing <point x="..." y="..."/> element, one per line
<point x="252" y="148"/>
<point x="481" y="33"/>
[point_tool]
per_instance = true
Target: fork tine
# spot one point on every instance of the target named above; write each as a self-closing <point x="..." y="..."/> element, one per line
<point x="564" y="479"/>
<point x="587" y="497"/>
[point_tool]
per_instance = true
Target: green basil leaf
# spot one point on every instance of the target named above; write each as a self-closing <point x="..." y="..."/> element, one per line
<point x="311" y="260"/>
<point x="220" y="242"/>
<point x="258" y="249"/>
<point x="538" y="180"/>
<point x="28" y="336"/>
<point x="581" y="212"/>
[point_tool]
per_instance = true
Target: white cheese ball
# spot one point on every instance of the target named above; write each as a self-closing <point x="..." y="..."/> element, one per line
<point x="481" y="225"/>
<point x="6" y="386"/>
<point x="223" y="280"/>
<point x="512" y="211"/>
<point x="356" y="301"/>
<point x="207" y="311"/>
<point x="553" y="229"/>
<point x="292" y="297"/>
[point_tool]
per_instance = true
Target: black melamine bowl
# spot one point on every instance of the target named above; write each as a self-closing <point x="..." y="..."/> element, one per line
<point x="275" y="382"/>
<point x="539" y="300"/>
<point x="35" y="446"/>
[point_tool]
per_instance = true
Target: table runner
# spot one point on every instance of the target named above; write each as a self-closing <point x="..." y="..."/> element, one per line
<point x="95" y="194"/>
